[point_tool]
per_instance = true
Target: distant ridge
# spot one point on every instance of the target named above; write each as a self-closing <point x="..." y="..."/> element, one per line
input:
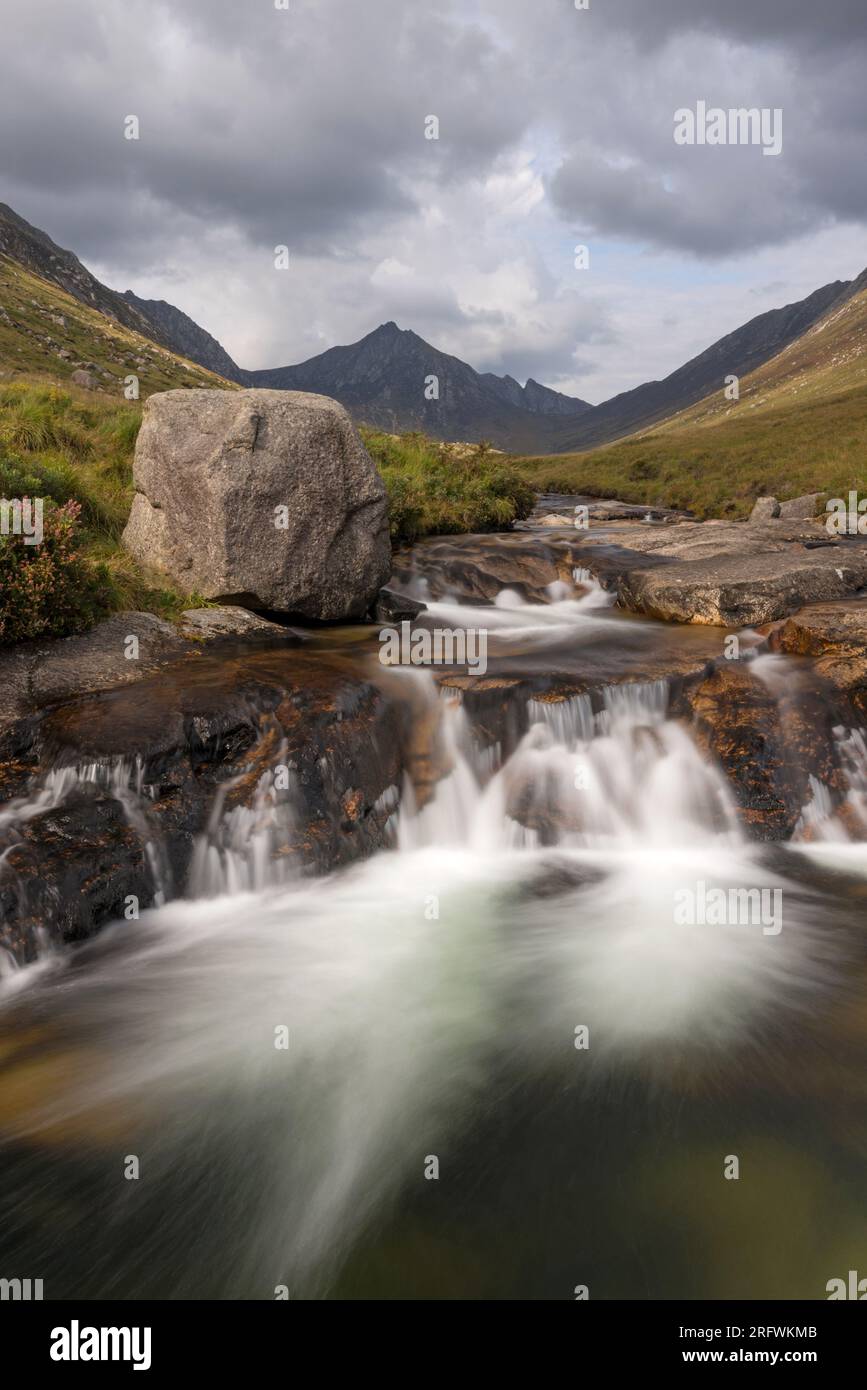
<point x="382" y="379"/>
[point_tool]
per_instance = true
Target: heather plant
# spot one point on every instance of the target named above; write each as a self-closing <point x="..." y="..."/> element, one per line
<point x="50" y="589"/>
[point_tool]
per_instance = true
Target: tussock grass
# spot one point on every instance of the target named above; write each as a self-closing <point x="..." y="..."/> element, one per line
<point x="437" y="489"/>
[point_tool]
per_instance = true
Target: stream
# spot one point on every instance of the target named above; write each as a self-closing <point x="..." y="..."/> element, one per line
<point x="491" y="1060"/>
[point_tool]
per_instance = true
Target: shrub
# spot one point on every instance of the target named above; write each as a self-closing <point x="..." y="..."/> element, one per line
<point x="50" y="589"/>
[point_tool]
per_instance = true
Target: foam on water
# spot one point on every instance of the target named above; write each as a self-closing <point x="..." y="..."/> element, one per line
<point x="522" y="900"/>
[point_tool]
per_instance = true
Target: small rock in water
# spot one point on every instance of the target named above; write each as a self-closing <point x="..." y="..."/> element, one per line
<point x="393" y="607"/>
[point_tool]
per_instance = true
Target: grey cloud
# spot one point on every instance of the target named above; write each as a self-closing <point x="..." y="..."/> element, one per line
<point x="794" y="23"/>
<point x="261" y="127"/>
<point x="296" y="126"/>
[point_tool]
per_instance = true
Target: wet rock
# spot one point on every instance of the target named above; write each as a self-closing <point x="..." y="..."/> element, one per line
<point x="475" y="569"/>
<point x="37" y="673"/>
<point x="835" y="636"/>
<point x="765" y="509"/>
<point x="198" y="730"/>
<point x="768" y="745"/>
<point x="393" y="607"/>
<point x="264" y="498"/>
<point x="68" y="870"/>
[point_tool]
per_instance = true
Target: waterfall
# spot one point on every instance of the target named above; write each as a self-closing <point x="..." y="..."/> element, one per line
<point x="827" y="829"/>
<point x="244" y="849"/>
<point x="120" y="779"/>
<point x="625" y="775"/>
<point x="288" y="1053"/>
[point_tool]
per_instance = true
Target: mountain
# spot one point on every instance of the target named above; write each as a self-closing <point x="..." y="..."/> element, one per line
<point x="185" y="336"/>
<point x="382" y="381"/>
<point x="540" y="400"/>
<point x="46" y="331"/>
<point x="382" y="378"/>
<point x="34" y="250"/>
<point x="738" y="353"/>
<point x="798" y="427"/>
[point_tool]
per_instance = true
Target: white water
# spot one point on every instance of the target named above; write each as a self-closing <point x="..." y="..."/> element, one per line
<point x="520" y="903"/>
<point x="828" y="831"/>
<point x="536" y="626"/>
<point x="244" y="849"/>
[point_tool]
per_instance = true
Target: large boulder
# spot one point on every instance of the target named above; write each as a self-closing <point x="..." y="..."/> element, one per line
<point x="266" y="499"/>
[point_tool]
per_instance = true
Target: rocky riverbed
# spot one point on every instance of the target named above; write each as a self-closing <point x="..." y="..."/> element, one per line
<point x="440" y="884"/>
<point x="111" y="767"/>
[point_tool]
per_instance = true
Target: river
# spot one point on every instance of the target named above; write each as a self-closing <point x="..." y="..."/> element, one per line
<point x="489" y="1061"/>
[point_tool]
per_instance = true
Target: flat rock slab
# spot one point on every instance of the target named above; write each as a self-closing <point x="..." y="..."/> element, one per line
<point x="36" y="674"/>
<point x="732" y="574"/>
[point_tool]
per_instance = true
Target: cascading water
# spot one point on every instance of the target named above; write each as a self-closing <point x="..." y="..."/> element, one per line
<point x="289" y="1055"/>
<point x="119" y="779"/>
<point x="828" y="829"/>
<point x="244" y="849"/>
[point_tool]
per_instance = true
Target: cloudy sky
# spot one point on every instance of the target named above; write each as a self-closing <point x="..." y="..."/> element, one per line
<point x="305" y="126"/>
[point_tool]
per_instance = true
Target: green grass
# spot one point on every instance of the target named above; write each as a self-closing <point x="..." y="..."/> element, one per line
<point x="70" y="445"/>
<point x="39" y="321"/>
<point x="720" y="470"/>
<point x="436" y="489"/>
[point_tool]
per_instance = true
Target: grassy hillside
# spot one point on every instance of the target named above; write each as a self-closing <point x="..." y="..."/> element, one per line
<point x="800" y="426"/>
<point x="45" y="332"/>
